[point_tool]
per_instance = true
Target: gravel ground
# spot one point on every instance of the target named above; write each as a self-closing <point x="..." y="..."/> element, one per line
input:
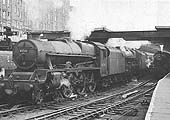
<point x="142" y="109"/>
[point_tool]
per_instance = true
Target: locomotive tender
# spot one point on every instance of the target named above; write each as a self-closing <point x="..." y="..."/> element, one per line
<point x="48" y="68"/>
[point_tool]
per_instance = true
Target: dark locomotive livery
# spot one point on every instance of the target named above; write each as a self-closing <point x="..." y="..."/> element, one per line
<point x="161" y="64"/>
<point x="48" y="68"/>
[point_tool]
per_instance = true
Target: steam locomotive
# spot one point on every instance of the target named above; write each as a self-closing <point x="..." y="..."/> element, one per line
<point x="161" y="63"/>
<point x="64" y="66"/>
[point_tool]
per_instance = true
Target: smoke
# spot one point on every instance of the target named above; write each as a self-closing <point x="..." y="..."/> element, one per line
<point x="84" y="17"/>
<point x="115" y="15"/>
<point x="113" y="42"/>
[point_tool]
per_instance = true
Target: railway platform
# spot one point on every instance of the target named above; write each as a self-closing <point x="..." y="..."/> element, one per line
<point x="159" y="108"/>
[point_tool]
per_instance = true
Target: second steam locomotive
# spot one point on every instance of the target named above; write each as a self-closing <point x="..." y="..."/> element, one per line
<point x="161" y="64"/>
<point x="63" y="66"/>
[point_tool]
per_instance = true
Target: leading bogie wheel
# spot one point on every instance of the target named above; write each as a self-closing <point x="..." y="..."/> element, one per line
<point x="92" y="87"/>
<point x="67" y="91"/>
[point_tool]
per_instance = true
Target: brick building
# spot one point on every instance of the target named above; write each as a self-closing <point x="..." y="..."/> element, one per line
<point x="62" y="15"/>
<point x="5" y="13"/>
<point x="53" y="18"/>
<point x="14" y="13"/>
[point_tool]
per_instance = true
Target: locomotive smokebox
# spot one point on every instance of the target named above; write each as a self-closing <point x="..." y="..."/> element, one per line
<point x="28" y="54"/>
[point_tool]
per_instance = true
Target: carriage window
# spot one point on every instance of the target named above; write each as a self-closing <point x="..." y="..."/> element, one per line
<point x="104" y="53"/>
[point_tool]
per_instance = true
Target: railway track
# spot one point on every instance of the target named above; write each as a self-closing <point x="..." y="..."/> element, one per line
<point x="126" y="108"/>
<point x="6" y="106"/>
<point x="91" y="108"/>
<point x="2" y="106"/>
<point x="54" y="105"/>
<point x="17" y="110"/>
<point x="107" y="109"/>
<point x="7" y="109"/>
<point x="124" y="112"/>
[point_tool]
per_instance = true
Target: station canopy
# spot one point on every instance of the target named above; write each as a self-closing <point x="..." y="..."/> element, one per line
<point x="161" y="34"/>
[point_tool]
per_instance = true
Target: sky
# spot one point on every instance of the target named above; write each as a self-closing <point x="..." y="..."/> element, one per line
<point x="118" y="15"/>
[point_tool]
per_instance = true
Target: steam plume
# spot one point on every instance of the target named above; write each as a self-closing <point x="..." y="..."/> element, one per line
<point x="114" y="14"/>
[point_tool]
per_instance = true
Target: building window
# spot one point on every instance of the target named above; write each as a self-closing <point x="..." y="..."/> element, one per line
<point x="15" y="8"/>
<point x="18" y="12"/>
<point x="3" y="1"/>
<point x="16" y="26"/>
<point x="8" y="3"/>
<point x="3" y="14"/>
<point x="9" y="16"/>
<point x="0" y="15"/>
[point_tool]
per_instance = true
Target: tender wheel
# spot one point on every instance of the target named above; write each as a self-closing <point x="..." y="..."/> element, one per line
<point x="92" y="85"/>
<point x="67" y="91"/>
<point x="37" y="96"/>
<point x="2" y="95"/>
<point x="80" y="89"/>
<point x="57" y="94"/>
<point x="105" y="84"/>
